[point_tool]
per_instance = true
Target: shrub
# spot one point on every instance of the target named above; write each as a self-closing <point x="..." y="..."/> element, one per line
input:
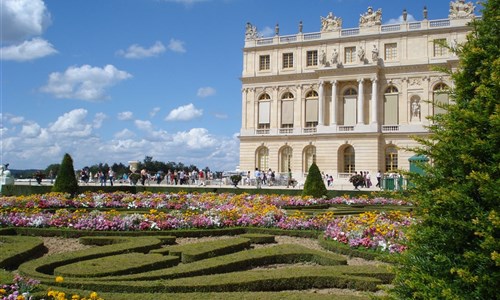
<point x="314" y="185"/>
<point x="66" y="180"/>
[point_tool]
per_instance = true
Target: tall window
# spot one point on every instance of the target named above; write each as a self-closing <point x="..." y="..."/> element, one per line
<point x="391" y="51"/>
<point x="312" y="58"/>
<point x="264" y="62"/>
<point x="441" y="97"/>
<point x="349" y="158"/>
<point x="391" y="159"/>
<point x="287" y="110"/>
<point x="440" y="48"/>
<point x="391" y="100"/>
<point x="349" y="106"/>
<point x="311" y="109"/>
<point x="285" y="159"/>
<point x="349" y="54"/>
<point x="309" y="157"/>
<point x="287" y="60"/>
<point x="263" y="158"/>
<point x="264" y="111"/>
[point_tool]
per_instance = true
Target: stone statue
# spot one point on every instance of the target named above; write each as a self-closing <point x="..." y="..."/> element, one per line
<point x="322" y="59"/>
<point x="361" y="54"/>
<point x="374" y="53"/>
<point x="415" y="109"/>
<point x="250" y="32"/>
<point x="330" y="23"/>
<point x="370" y="18"/>
<point x="461" y="10"/>
<point x="335" y="57"/>
<point x="5" y="177"/>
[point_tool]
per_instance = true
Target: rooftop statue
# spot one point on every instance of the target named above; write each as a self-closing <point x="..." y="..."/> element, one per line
<point x="330" y="23"/>
<point x="370" y="18"/>
<point x="250" y="32"/>
<point x="461" y="10"/>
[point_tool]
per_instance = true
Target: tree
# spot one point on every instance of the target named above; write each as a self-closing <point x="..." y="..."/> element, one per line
<point x="454" y="252"/>
<point x="66" y="179"/>
<point x="314" y="185"/>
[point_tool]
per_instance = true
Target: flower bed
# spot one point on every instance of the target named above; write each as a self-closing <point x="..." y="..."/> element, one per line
<point x="383" y="231"/>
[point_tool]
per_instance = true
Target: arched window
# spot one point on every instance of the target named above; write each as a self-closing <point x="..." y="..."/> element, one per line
<point x="287" y="110"/>
<point x="391" y="159"/>
<point x="263" y="158"/>
<point x="285" y="159"/>
<point x="264" y="111"/>
<point x="349" y="160"/>
<point x="391" y="110"/>
<point x="350" y="92"/>
<point x="309" y="157"/>
<point x="311" y="109"/>
<point x="391" y="89"/>
<point x="441" y="97"/>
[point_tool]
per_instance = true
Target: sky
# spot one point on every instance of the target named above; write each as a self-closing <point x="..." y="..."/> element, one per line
<point x="112" y="81"/>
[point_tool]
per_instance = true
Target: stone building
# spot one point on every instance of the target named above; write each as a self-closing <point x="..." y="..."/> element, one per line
<point x="347" y="99"/>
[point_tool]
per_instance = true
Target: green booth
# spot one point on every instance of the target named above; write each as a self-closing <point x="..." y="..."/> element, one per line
<point x="416" y="162"/>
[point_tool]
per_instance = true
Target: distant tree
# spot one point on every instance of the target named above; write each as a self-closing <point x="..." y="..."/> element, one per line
<point x="314" y="185"/>
<point x="66" y="181"/>
<point x="454" y="252"/>
<point x="54" y="168"/>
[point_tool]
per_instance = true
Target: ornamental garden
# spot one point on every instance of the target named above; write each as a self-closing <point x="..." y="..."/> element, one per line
<point x="189" y="245"/>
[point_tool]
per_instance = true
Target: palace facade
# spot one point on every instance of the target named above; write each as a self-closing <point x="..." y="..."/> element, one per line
<point x="347" y="99"/>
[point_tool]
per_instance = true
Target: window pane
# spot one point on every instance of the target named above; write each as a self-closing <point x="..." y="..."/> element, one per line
<point x="349" y="54"/>
<point x="286" y="112"/>
<point x="312" y="58"/>
<point x="287" y="60"/>
<point x="391" y="51"/>
<point x="390" y="109"/>
<point x="264" y="112"/>
<point x="264" y="62"/>
<point x="439" y="48"/>
<point x="312" y="110"/>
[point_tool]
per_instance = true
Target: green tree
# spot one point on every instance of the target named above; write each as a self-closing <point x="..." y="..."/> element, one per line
<point x="66" y="181"/>
<point x="454" y="252"/>
<point x="314" y="185"/>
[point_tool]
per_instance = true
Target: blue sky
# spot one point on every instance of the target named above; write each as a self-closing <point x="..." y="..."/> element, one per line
<point x="117" y="80"/>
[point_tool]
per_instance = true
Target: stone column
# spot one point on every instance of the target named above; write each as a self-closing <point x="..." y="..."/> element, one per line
<point x="333" y="108"/>
<point x="245" y="110"/>
<point x="321" y="103"/>
<point x="361" y="101"/>
<point x="374" y="101"/>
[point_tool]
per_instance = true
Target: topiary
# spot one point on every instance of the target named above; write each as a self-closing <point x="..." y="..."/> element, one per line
<point x="66" y="180"/>
<point x="314" y="185"/>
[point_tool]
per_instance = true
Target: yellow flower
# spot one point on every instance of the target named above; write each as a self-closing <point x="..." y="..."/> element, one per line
<point x="59" y="279"/>
<point x="20" y="297"/>
<point x="93" y="296"/>
<point x="75" y="297"/>
<point x="3" y="291"/>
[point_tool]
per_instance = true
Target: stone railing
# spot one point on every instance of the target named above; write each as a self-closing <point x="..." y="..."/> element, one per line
<point x="381" y="29"/>
<point x="390" y="128"/>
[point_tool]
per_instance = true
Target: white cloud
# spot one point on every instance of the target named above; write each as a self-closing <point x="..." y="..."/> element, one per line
<point x="125" y="115"/>
<point x="176" y="46"/>
<point x="21" y="19"/>
<point x="195" y="138"/>
<point x="400" y="20"/>
<point x="184" y="113"/>
<point x="154" y="111"/>
<point x="206" y="92"/>
<point x="136" y="51"/>
<point x="72" y="124"/>
<point x="28" y="50"/>
<point x="143" y="125"/>
<point x="98" y="119"/>
<point x="221" y="116"/>
<point x="267" y="32"/>
<point x="124" y="134"/>
<point x="30" y="130"/>
<point x="85" y="82"/>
